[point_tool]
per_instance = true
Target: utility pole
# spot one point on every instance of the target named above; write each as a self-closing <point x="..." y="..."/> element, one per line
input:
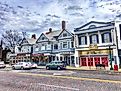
<point x="110" y="56"/>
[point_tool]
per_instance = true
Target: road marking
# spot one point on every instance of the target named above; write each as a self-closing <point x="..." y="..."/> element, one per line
<point x="74" y="78"/>
<point x="62" y="87"/>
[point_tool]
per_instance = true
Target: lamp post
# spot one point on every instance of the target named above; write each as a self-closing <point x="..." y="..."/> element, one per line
<point x="110" y="56"/>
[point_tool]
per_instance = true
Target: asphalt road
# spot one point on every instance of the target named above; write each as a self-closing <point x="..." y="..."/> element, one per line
<point x="65" y="80"/>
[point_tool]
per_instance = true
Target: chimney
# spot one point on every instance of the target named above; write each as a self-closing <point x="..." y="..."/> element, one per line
<point x="63" y="25"/>
<point x="34" y="36"/>
<point x="50" y="30"/>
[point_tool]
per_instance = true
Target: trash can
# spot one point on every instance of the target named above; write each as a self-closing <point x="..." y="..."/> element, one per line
<point x="115" y="67"/>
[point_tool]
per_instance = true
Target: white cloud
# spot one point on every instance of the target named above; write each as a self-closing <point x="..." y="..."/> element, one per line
<point x="38" y="15"/>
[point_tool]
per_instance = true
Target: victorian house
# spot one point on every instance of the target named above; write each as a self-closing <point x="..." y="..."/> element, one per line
<point x="95" y="43"/>
<point x="23" y="51"/>
<point x="55" y="45"/>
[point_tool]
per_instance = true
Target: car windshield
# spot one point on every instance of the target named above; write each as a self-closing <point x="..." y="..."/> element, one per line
<point x="56" y="62"/>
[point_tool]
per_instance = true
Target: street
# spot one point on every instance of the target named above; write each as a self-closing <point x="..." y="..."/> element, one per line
<point x="54" y="80"/>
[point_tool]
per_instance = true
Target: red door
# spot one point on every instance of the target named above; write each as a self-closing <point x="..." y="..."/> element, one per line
<point x="90" y="61"/>
<point x="97" y="60"/>
<point x="104" y="60"/>
<point x="83" y="62"/>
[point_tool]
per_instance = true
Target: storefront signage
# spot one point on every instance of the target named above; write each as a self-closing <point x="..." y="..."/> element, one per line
<point x="93" y="46"/>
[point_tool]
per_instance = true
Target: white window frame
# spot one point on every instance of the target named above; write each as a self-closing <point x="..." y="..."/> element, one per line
<point x="94" y="39"/>
<point x="66" y="45"/>
<point x="106" y="38"/>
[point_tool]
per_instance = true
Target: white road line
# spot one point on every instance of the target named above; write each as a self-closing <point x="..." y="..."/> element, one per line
<point x="62" y="87"/>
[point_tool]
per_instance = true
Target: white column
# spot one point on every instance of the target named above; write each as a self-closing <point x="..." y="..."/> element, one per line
<point x="88" y="40"/>
<point x="76" y="43"/>
<point x="76" y="58"/>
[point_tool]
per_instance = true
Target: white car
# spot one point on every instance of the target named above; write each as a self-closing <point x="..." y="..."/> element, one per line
<point x="33" y="65"/>
<point x="21" y="65"/>
<point x="2" y="65"/>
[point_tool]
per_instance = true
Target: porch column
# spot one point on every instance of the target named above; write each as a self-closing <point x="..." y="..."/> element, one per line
<point x="70" y="60"/>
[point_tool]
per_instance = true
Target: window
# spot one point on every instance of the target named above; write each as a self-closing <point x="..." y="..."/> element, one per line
<point x="94" y="39"/>
<point x="64" y="44"/>
<point x="82" y="40"/>
<point x="106" y="37"/>
<point x="43" y="38"/>
<point x="64" y="34"/>
<point x="60" y="45"/>
<point x="55" y="46"/>
<point x="72" y="44"/>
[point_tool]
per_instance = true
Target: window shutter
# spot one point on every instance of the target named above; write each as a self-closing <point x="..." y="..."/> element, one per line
<point x="110" y="37"/>
<point x="102" y="35"/>
<point x="86" y="40"/>
<point x="79" y="40"/>
<point x="97" y="38"/>
<point x="90" y="37"/>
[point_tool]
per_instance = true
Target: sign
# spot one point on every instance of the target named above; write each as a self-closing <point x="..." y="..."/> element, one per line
<point x="93" y="46"/>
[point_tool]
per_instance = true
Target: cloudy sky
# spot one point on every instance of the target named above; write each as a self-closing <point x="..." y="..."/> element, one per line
<point x="36" y="16"/>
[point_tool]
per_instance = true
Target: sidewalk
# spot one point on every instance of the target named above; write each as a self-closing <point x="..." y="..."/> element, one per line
<point x="89" y="68"/>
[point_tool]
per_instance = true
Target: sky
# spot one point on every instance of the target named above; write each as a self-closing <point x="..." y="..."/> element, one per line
<point x="37" y="16"/>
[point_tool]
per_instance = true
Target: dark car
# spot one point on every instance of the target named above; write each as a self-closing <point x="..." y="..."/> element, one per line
<point x="56" y="65"/>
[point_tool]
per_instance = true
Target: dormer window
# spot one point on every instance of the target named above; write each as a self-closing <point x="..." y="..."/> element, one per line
<point x="43" y="38"/>
<point x="64" y="34"/>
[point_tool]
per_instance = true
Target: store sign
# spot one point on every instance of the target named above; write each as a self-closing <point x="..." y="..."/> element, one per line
<point x="93" y="46"/>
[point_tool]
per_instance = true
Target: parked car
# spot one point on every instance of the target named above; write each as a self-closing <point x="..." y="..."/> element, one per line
<point x="41" y="64"/>
<point x="2" y="65"/>
<point x="21" y="65"/>
<point x="56" y="65"/>
<point x="33" y="65"/>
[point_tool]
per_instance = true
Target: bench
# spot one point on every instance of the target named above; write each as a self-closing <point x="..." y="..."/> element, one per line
<point x="100" y="65"/>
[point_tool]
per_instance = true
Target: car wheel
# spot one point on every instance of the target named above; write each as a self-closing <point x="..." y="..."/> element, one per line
<point x="58" y="68"/>
<point x="13" y="67"/>
<point x="22" y="68"/>
<point x="47" y="68"/>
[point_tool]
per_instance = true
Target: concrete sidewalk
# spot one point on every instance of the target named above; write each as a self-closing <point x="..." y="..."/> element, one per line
<point x="90" y="68"/>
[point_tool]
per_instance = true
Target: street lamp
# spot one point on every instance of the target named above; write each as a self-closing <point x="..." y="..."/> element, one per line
<point x="110" y="57"/>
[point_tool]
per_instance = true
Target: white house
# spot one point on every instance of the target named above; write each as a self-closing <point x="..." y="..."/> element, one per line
<point x="95" y="43"/>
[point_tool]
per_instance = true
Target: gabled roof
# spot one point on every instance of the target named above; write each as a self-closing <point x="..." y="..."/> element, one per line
<point x="93" y="22"/>
<point x="66" y="31"/>
<point x="41" y="35"/>
<point x="32" y="41"/>
<point x="29" y="40"/>
<point x="52" y="34"/>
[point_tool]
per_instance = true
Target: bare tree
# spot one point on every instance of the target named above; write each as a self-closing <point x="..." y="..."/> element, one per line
<point x="11" y="37"/>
